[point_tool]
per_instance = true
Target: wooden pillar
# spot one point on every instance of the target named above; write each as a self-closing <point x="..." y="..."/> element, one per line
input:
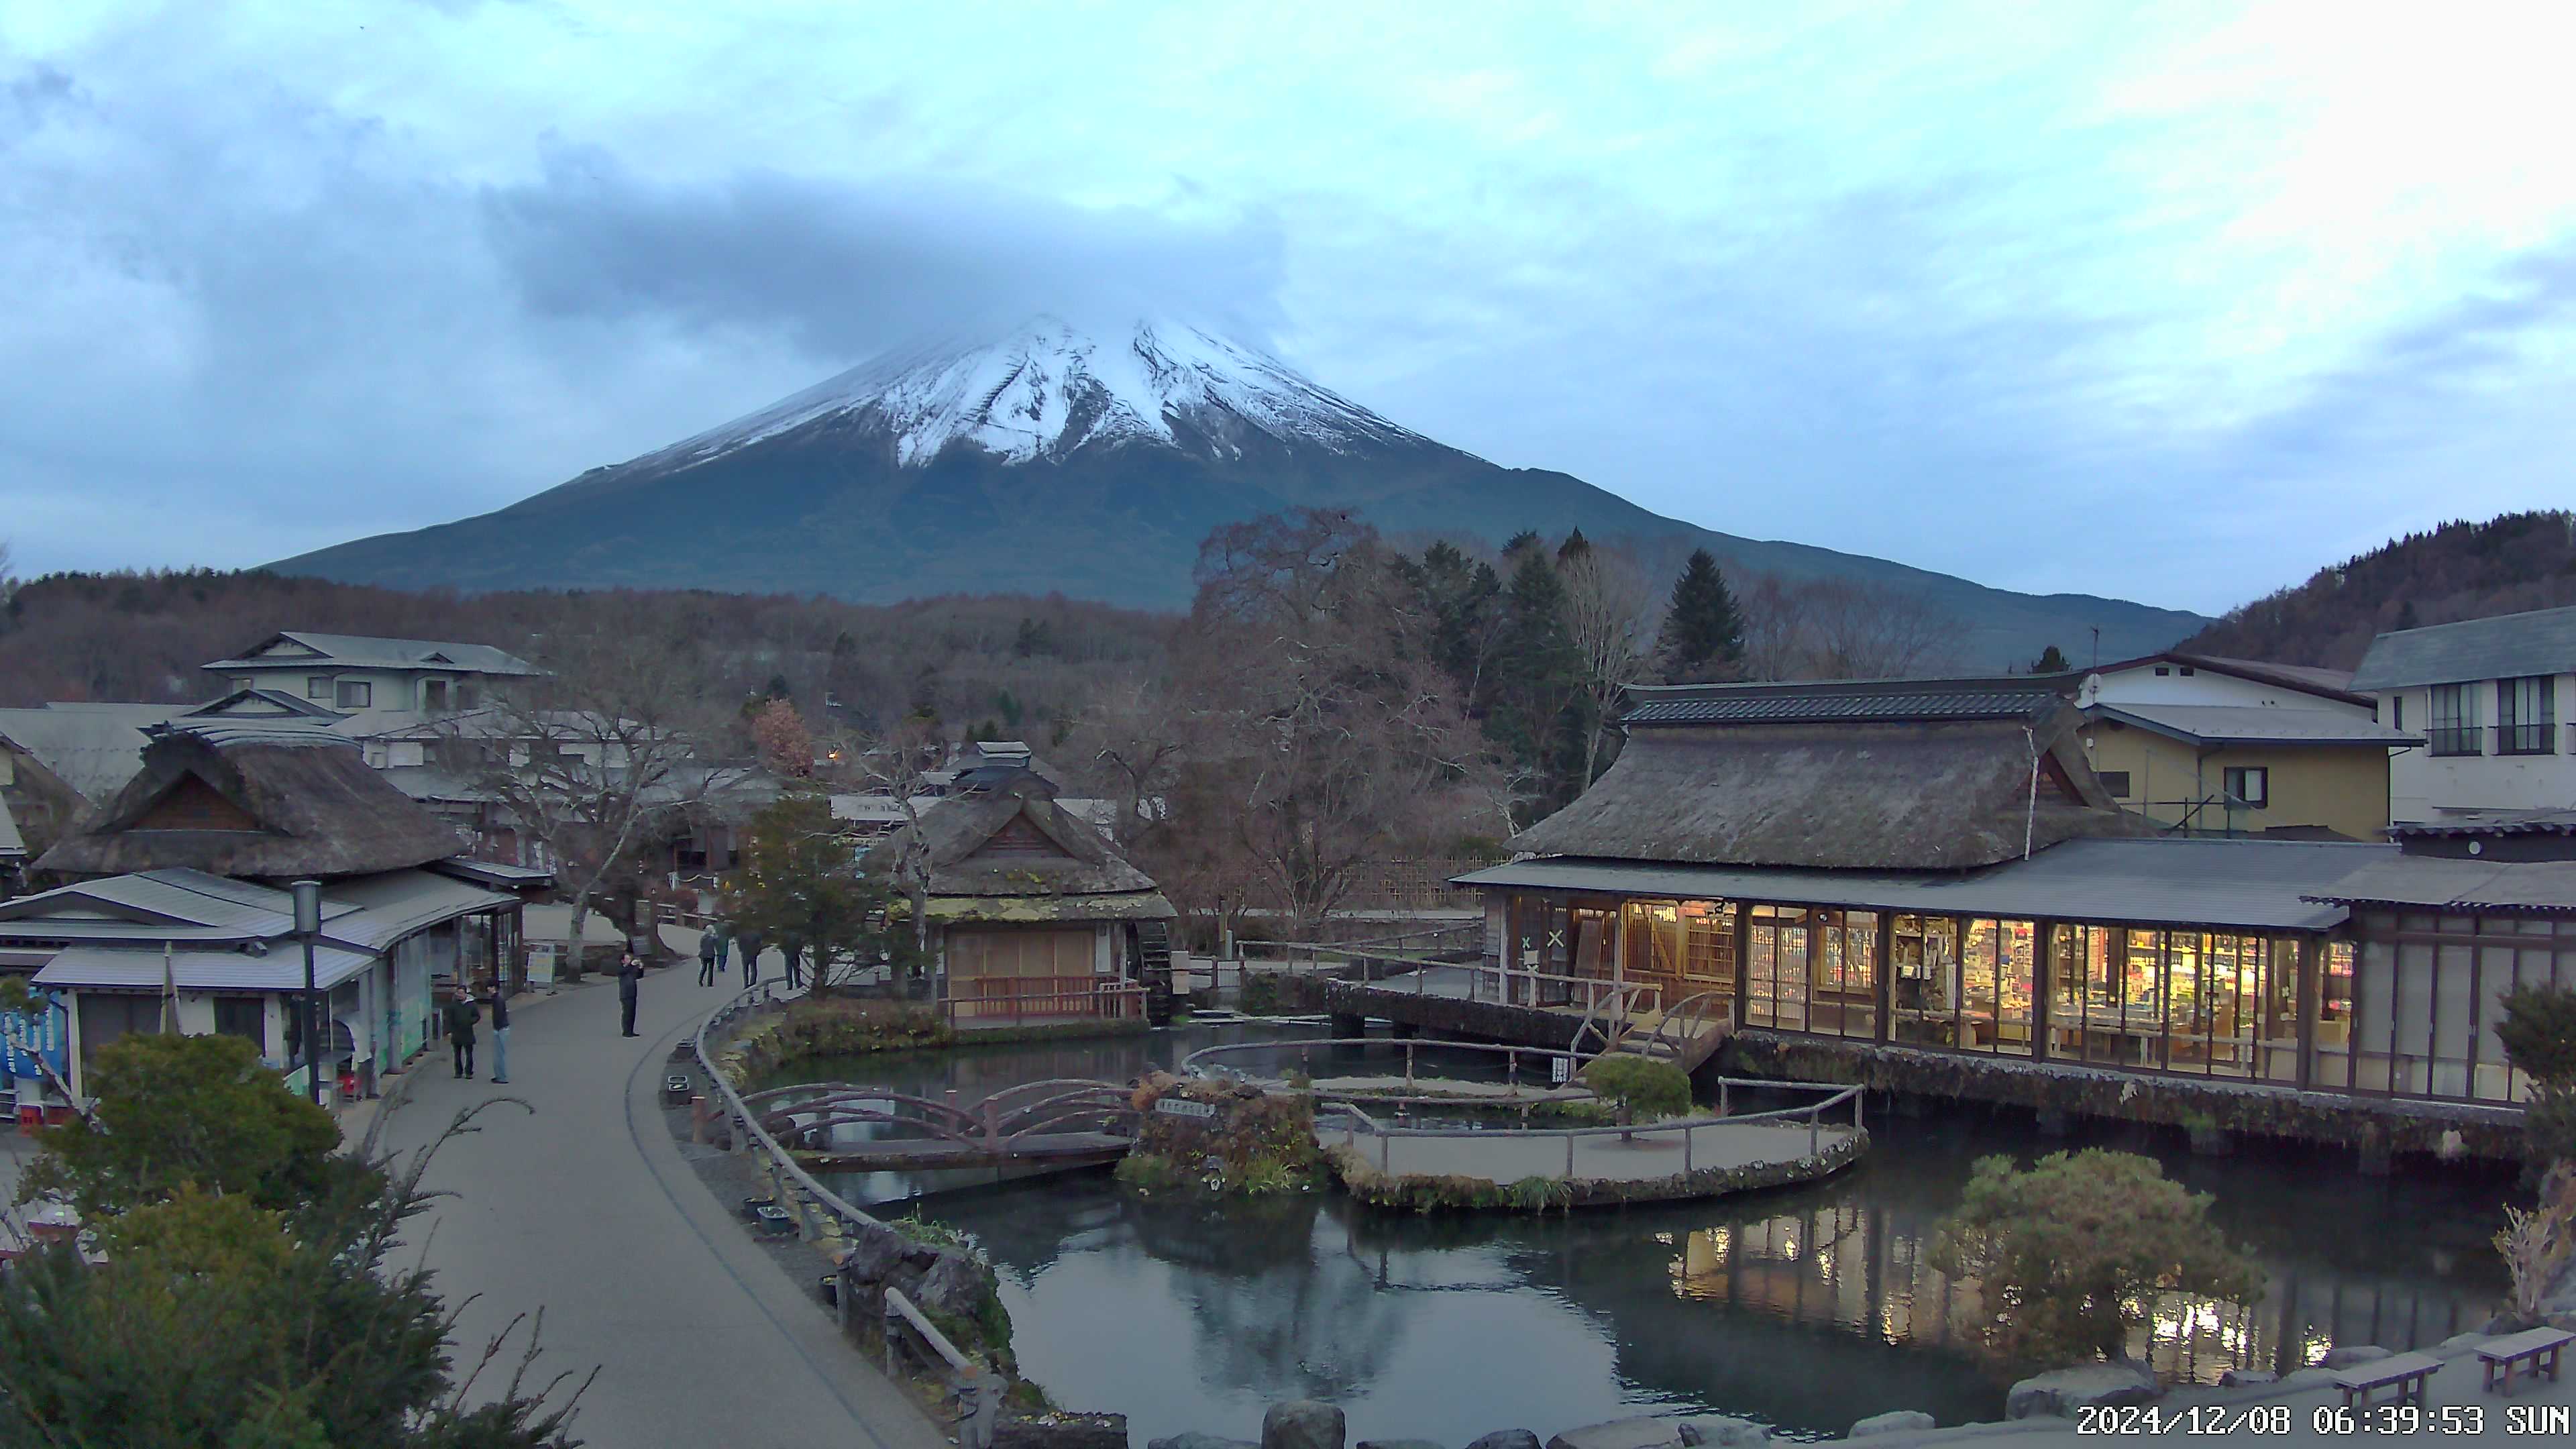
<point x="1618" y="946"/>
<point x="1743" y="962"/>
<point x="2308" y="1002"/>
<point x="1882" y="961"/>
<point x="2043" y="987"/>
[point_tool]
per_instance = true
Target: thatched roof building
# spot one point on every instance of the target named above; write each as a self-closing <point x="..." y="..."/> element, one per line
<point x="1869" y="775"/>
<point x="263" y="802"/>
<point x="1016" y="855"/>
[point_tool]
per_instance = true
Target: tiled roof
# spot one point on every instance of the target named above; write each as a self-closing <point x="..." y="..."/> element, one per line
<point x="1896" y="704"/>
<point x="2555" y="821"/>
<point x="359" y="651"/>
<point x="2432" y="880"/>
<point x="2504" y="647"/>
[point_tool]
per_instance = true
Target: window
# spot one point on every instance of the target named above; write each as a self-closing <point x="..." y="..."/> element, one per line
<point x="2186" y="671"/>
<point x="2523" y="709"/>
<point x="466" y="695"/>
<point x="2117" y="782"/>
<point x="356" y="694"/>
<point x="2248" y="785"/>
<point x="433" y="694"/>
<point x="2455" y="720"/>
<point x="242" y="681"/>
<point x="245" y="1017"/>
<point x="2162" y="671"/>
<point x="2397" y="711"/>
<point x="317" y="686"/>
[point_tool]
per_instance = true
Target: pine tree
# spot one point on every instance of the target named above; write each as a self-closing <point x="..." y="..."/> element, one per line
<point x="2051" y="660"/>
<point x="1703" y="634"/>
<point x="1539" y="707"/>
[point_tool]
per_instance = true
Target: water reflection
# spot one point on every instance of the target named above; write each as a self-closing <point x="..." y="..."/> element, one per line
<point x="1807" y="1308"/>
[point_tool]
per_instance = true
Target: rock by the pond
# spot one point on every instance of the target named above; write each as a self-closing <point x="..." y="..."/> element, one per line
<point x="1399" y="1444"/>
<point x="2247" y="1378"/>
<point x="1505" y="1439"/>
<point x="1058" y="1430"/>
<point x="2066" y="1390"/>
<point x="1895" y="1421"/>
<point x="1200" y="1441"/>
<point x="1622" y="1434"/>
<point x="953" y="1286"/>
<point x="2308" y="1378"/>
<point x="1301" y="1424"/>
<point x="2359" y="1353"/>
<point x="1726" y="1433"/>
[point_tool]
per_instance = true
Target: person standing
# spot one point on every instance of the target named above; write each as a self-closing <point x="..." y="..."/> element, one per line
<point x="751" y="958"/>
<point x="723" y="933"/>
<point x="501" y="1038"/>
<point x="630" y="973"/>
<point x="460" y="1033"/>
<point x="707" y="957"/>
<point x="795" y="967"/>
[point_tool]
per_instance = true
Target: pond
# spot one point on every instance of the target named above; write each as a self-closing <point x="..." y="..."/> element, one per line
<point x="1806" y="1308"/>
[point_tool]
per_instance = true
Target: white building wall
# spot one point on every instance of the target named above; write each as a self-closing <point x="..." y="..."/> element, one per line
<point x="2142" y="685"/>
<point x="2424" y="786"/>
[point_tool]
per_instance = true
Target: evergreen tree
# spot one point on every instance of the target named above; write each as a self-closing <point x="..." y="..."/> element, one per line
<point x="1703" y="633"/>
<point x="2051" y="660"/>
<point x="1539" y="712"/>
<point x="1574" y="547"/>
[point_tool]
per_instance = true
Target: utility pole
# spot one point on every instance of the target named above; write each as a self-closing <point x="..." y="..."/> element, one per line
<point x="308" y="924"/>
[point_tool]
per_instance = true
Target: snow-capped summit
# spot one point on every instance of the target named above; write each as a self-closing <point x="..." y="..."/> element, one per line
<point x="1049" y="389"/>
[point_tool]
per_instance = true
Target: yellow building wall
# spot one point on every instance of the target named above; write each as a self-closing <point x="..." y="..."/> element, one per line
<point x="2344" y="789"/>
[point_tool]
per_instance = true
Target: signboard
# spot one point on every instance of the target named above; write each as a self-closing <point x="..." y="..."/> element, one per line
<point x="541" y="963"/>
<point x="1560" y="1070"/>
<point x="1177" y="1107"/>
<point x="29" y="1036"/>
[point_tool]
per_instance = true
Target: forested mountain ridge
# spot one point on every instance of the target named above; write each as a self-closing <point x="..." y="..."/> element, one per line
<point x="2460" y="570"/>
<point x="1092" y="464"/>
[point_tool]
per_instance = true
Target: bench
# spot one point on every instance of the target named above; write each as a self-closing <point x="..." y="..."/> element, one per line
<point x="2408" y="1371"/>
<point x="2538" y="1347"/>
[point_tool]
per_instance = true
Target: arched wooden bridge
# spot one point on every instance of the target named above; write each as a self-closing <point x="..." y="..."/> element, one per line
<point x="1061" y="1122"/>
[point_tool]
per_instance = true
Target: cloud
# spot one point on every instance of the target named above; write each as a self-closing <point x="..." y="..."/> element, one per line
<point x="844" y="269"/>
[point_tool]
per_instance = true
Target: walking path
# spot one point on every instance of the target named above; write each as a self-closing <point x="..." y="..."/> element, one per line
<point x="586" y="1209"/>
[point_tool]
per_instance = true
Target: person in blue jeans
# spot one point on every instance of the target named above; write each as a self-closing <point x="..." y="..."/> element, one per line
<point x="501" y="1038"/>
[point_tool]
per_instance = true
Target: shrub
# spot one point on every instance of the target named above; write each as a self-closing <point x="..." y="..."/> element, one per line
<point x="2536" y="1245"/>
<point x="2539" y="1032"/>
<point x="1642" y="1089"/>
<point x="2073" y="1253"/>
<point x="1261" y="995"/>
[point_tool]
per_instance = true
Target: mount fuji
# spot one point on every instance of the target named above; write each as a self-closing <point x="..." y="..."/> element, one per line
<point x="1055" y="459"/>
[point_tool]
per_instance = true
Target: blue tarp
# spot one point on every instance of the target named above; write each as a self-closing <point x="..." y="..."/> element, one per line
<point x="43" y="1029"/>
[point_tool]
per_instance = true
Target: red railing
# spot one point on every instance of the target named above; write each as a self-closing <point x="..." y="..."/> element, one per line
<point x="1018" y="998"/>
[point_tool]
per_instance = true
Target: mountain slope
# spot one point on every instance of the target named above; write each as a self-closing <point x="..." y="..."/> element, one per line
<point x="2461" y="570"/>
<point x="1056" y="460"/>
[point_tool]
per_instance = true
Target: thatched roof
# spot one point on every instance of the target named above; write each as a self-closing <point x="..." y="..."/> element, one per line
<point x="1013" y="844"/>
<point x="271" y="802"/>
<point x="1870" y="791"/>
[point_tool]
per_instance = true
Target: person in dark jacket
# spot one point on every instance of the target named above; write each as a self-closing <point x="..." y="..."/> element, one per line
<point x="461" y="1017"/>
<point x="501" y="1038"/>
<point x="750" y="959"/>
<point x="707" y="957"/>
<point x="630" y="972"/>
<point x="795" y="968"/>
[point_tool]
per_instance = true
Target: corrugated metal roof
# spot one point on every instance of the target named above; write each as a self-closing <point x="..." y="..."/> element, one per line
<point x="2250" y="884"/>
<point x="180" y="897"/>
<point x="1894" y="705"/>
<point x="2253" y="725"/>
<point x="361" y="651"/>
<point x="111" y="968"/>
<point x="95" y="748"/>
<point x="394" y="905"/>
<point x="2507" y="646"/>
<point x="2555" y="821"/>
<point x="2440" y="881"/>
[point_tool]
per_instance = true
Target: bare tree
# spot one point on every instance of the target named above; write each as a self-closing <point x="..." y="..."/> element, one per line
<point x="1132" y="742"/>
<point x="598" y="758"/>
<point x="1869" y="631"/>
<point x="1312" y="658"/>
<point x="1610" y="614"/>
<point x="896" y="763"/>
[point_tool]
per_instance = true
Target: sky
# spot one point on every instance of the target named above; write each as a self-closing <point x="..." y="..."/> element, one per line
<point x="2176" y="302"/>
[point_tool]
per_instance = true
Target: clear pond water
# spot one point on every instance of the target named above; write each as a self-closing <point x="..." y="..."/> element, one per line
<point x="1806" y="1308"/>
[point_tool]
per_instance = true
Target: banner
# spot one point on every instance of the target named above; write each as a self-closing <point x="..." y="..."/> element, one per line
<point x="43" y="1030"/>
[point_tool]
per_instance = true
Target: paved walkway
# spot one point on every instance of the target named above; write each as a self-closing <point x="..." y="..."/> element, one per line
<point x="587" y="1209"/>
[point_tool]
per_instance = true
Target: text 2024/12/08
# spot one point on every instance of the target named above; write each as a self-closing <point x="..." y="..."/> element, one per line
<point x="2391" y="1419"/>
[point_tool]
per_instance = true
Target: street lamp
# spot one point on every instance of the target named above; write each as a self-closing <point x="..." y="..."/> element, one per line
<point x="308" y="924"/>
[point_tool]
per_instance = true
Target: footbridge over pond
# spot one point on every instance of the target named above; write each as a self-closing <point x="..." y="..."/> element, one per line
<point x="1059" y="1123"/>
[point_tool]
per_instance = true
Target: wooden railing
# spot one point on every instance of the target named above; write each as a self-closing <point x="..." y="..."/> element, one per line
<point x="1047" y="996"/>
<point x="1355" y="1122"/>
<point x="976" y="1387"/>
